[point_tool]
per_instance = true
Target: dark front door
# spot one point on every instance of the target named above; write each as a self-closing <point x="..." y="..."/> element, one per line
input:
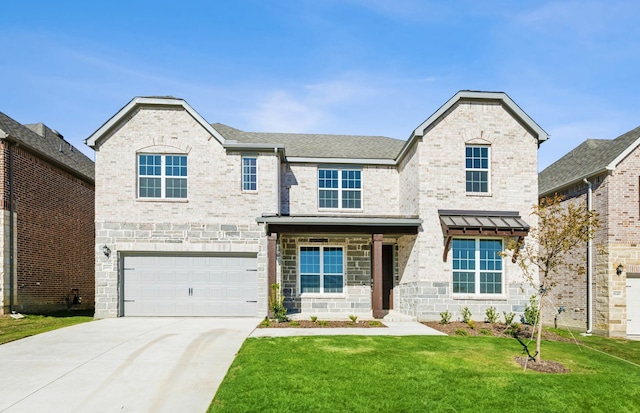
<point x="387" y="277"/>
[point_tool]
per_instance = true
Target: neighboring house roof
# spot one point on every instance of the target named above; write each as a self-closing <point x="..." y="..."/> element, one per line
<point x="298" y="145"/>
<point x="48" y="144"/>
<point x="592" y="157"/>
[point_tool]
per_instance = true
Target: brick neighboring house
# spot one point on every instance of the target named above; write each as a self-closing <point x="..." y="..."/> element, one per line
<point x="195" y="218"/>
<point x="608" y="172"/>
<point x="47" y="230"/>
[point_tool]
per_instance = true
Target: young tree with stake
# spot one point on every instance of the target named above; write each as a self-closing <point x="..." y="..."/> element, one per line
<point x="563" y="227"/>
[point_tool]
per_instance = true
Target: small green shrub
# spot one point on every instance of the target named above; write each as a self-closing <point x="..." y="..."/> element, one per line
<point x="491" y="315"/>
<point x="513" y="329"/>
<point x="471" y="324"/>
<point x="353" y="318"/>
<point x="323" y="323"/>
<point x="265" y="323"/>
<point x="294" y="324"/>
<point x="445" y="317"/>
<point x="374" y="323"/>
<point x="508" y="318"/>
<point x="277" y="304"/>
<point x="531" y="312"/>
<point x="462" y="332"/>
<point x="485" y="332"/>
<point x="314" y="319"/>
<point x="466" y="314"/>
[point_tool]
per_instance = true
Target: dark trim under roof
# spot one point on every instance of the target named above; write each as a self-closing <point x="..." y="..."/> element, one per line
<point x="341" y="225"/>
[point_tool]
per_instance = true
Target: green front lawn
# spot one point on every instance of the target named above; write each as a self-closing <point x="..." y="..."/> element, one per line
<point x="421" y="374"/>
<point x="15" y="329"/>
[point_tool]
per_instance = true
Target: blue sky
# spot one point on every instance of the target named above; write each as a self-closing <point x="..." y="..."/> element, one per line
<point x="365" y="67"/>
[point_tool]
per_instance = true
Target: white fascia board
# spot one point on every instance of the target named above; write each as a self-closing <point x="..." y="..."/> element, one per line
<point x="612" y="166"/>
<point x="349" y="161"/>
<point x="3" y="134"/>
<point x="138" y="101"/>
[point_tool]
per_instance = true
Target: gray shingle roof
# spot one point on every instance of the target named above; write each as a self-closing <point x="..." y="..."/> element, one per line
<point x="589" y="158"/>
<point x="48" y="143"/>
<point x="318" y="145"/>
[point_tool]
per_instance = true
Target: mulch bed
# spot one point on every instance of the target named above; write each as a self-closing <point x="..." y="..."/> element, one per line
<point x="323" y="324"/>
<point x="542" y="366"/>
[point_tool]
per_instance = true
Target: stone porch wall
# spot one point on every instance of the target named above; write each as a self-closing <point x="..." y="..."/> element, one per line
<point x="356" y="298"/>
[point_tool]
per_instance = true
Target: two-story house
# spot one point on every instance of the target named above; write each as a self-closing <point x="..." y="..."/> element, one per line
<point x="195" y="218"/>
<point x="604" y="176"/>
<point x="46" y="224"/>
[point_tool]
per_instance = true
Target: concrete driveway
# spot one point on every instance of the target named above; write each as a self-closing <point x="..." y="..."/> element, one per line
<point x="121" y="365"/>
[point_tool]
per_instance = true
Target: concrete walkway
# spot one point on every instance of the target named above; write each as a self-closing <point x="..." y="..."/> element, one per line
<point x="121" y="365"/>
<point x="394" y="328"/>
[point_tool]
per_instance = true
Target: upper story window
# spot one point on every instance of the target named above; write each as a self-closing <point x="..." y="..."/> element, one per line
<point x="162" y="176"/>
<point x="249" y="173"/>
<point x="340" y="188"/>
<point x="477" y="266"/>
<point x="477" y="168"/>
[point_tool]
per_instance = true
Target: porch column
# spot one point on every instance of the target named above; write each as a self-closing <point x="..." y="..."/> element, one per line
<point x="272" y="240"/>
<point x="376" y="261"/>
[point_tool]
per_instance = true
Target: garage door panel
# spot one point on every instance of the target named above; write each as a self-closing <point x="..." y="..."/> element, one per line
<point x="190" y="286"/>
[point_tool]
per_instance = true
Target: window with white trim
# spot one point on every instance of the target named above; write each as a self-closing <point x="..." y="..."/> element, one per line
<point x="340" y="188"/>
<point x="477" y="266"/>
<point x="162" y="176"/>
<point x="249" y="173"/>
<point x="477" y="168"/>
<point x="321" y="269"/>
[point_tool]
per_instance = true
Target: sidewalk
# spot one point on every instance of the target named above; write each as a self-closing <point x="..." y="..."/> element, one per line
<point x="394" y="328"/>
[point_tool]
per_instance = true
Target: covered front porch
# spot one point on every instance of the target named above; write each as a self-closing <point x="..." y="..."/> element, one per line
<point x="336" y="265"/>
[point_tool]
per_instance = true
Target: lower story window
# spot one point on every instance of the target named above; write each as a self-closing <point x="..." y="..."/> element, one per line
<point x="477" y="266"/>
<point x="321" y="269"/>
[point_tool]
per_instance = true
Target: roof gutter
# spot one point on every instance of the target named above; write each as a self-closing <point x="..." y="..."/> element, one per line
<point x="369" y="161"/>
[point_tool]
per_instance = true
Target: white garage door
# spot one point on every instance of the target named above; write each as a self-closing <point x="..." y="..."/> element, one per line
<point x="190" y="286"/>
<point x="633" y="304"/>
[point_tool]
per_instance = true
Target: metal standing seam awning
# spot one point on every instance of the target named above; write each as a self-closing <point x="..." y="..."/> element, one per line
<point x="469" y="223"/>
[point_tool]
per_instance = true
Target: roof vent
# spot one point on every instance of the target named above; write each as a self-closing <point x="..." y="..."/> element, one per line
<point x="60" y="150"/>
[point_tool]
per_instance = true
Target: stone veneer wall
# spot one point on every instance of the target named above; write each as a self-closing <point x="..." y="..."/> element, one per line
<point x="165" y="238"/>
<point x="427" y="299"/>
<point x="356" y="298"/>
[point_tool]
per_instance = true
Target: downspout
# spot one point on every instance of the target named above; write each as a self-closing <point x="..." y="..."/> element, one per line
<point x="589" y="264"/>
<point x="11" y="235"/>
